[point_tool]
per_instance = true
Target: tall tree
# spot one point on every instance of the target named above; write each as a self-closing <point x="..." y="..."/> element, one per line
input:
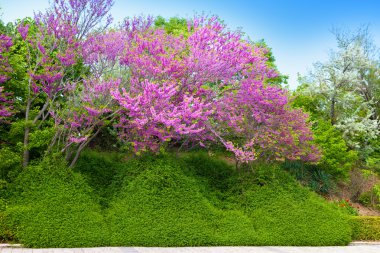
<point x="53" y="41"/>
<point x="5" y="70"/>
<point x="206" y="87"/>
<point x="345" y="88"/>
<point x="156" y="87"/>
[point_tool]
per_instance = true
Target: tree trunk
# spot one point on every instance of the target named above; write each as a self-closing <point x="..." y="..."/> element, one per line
<point x="74" y="161"/>
<point x="25" y="157"/>
<point x="41" y="112"/>
<point x="332" y="110"/>
<point x="81" y="147"/>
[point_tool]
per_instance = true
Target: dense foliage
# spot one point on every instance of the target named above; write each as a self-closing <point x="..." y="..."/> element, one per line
<point x="69" y="81"/>
<point x="345" y="91"/>
<point x="342" y="98"/>
<point x="366" y="228"/>
<point x="190" y="200"/>
<point x="152" y="85"/>
<point x="54" y="208"/>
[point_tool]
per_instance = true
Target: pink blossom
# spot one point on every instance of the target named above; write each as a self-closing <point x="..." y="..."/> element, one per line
<point x="77" y="139"/>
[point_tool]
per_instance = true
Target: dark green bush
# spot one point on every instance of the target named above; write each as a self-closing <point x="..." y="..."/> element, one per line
<point x="54" y="207"/>
<point x="313" y="176"/>
<point x="366" y="228"/>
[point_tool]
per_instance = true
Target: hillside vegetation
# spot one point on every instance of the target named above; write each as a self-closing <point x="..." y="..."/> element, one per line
<point x="191" y="200"/>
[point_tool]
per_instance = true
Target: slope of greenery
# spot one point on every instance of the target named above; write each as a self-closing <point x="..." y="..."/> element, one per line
<point x="53" y="207"/>
<point x="164" y="207"/>
<point x="282" y="211"/>
<point x="189" y="200"/>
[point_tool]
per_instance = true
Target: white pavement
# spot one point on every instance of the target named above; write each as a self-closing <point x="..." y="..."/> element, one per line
<point x="356" y="248"/>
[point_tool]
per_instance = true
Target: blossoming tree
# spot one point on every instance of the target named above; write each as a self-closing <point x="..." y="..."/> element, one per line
<point x="204" y="86"/>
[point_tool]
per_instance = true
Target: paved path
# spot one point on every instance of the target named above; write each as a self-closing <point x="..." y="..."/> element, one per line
<point x="356" y="248"/>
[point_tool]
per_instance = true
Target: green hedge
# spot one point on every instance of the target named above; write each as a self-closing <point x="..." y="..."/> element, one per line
<point x="197" y="200"/>
<point x="366" y="228"/>
<point x="54" y="207"/>
<point x="5" y="233"/>
<point x="282" y="211"/>
<point x="191" y="200"/>
<point x="164" y="207"/>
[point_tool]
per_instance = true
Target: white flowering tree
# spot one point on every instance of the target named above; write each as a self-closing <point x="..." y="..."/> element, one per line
<point x="347" y="88"/>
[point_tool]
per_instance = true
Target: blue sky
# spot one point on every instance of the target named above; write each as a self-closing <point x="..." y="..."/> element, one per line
<point x="297" y="31"/>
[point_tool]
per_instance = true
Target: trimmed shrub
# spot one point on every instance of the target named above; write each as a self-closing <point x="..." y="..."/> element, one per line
<point x="54" y="207"/>
<point x="164" y="207"/>
<point x="284" y="218"/>
<point x="365" y="228"/>
<point x="188" y="200"/>
<point x="99" y="170"/>
<point x="181" y="202"/>
<point x="284" y="213"/>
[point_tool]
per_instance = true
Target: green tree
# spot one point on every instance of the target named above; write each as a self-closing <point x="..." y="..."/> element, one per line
<point x="337" y="158"/>
<point x="176" y="26"/>
<point x="280" y="79"/>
